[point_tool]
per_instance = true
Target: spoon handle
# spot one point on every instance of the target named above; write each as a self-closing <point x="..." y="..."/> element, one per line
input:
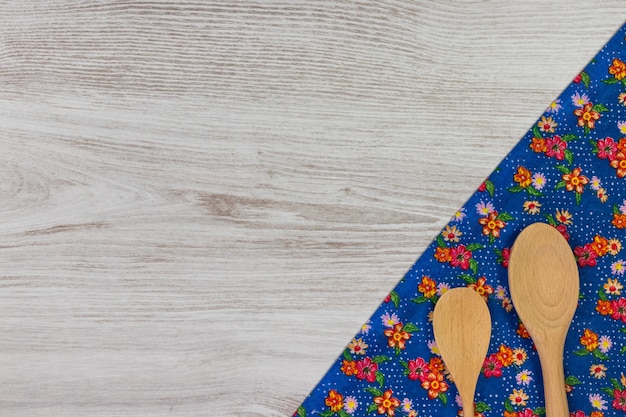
<point x="554" y="382"/>
<point x="468" y="406"/>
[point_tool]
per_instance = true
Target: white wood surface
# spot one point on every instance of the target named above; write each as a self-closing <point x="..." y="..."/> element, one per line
<point x="201" y="201"/>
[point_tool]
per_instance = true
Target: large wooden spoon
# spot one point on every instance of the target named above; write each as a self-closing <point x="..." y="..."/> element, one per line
<point x="543" y="279"/>
<point x="462" y="327"/>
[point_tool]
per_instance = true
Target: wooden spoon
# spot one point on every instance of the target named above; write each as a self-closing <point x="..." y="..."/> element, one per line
<point x="543" y="279"/>
<point x="462" y="327"/>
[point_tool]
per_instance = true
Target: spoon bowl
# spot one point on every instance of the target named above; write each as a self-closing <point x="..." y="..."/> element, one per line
<point x="462" y="328"/>
<point x="544" y="285"/>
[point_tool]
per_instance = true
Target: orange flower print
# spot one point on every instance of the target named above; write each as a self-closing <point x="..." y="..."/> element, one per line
<point x="538" y="145"/>
<point x="443" y="254"/>
<point x="523" y="177"/>
<point x="491" y="224"/>
<point x="589" y="340"/>
<point x="386" y="403"/>
<point x="348" y="367"/>
<point x="435" y="364"/>
<point x="505" y="355"/>
<point x="619" y="163"/>
<point x="619" y="220"/>
<point x="428" y="287"/>
<point x="574" y="181"/>
<point x="334" y="401"/>
<point x="600" y="245"/>
<point x="587" y="116"/>
<point x="604" y="307"/>
<point x="618" y="69"/>
<point x="621" y="146"/>
<point x="522" y="331"/>
<point x="482" y="288"/>
<point x="435" y="385"/>
<point x="397" y="337"/>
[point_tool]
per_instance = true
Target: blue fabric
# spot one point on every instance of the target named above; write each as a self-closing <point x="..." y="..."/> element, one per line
<point x="568" y="171"/>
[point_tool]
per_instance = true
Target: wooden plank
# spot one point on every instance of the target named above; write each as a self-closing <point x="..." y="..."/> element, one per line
<point x="203" y="200"/>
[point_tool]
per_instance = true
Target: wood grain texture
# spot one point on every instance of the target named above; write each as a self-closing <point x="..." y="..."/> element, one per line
<point x="540" y="252"/>
<point x="462" y="329"/>
<point x="202" y="201"/>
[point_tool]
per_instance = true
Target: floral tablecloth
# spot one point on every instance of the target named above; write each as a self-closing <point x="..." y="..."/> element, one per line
<point x="569" y="171"/>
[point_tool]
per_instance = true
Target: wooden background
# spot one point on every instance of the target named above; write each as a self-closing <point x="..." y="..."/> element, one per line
<point x="202" y="201"/>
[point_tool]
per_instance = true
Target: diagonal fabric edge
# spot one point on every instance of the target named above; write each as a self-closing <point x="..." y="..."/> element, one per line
<point x="568" y="171"/>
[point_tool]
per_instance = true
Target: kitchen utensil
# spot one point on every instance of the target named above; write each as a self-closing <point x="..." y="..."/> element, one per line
<point x="462" y="328"/>
<point x="544" y="285"/>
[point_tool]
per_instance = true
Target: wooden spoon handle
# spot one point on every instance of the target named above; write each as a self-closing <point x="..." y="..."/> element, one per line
<point x="468" y="407"/>
<point x="554" y="382"/>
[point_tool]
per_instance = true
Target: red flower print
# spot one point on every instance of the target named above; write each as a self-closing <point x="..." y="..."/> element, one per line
<point x="619" y="400"/>
<point x="506" y="252"/>
<point x="397" y="336"/>
<point x="334" y="400"/>
<point x="492" y="366"/>
<point x="491" y="224"/>
<point x="607" y="148"/>
<point x="366" y="369"/>
<point x="526" y="413"/>
<point x="587" y="116"/>
<point x="618" y="308"/>
<point x="578" y="414"/>
<point x="563" y="229"/>
<point x="386" y="403"/>
<point x="619" y="163"/>
<point x="460" y="256"/>
<point x="435" y="385"/>
<point x="585" y="255"/>
<point x="482" y="288"/>
<point x="418" y="369"/>
<point x="555" y="147"/>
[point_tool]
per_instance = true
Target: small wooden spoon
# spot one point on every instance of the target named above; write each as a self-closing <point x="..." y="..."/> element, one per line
<point x="462" y="327"/>
<point x="544" y="284"/>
